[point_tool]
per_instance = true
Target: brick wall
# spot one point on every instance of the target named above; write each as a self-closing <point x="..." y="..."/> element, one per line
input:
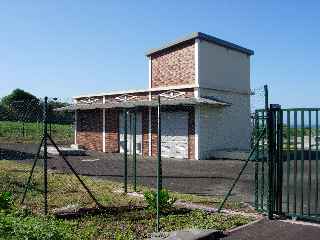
<point x="154" y="132"/>
<point x="145" y="132"/>
<point x="174" y="66"/>
<point x="112" y="131"/>
<point x="89" y="129"/>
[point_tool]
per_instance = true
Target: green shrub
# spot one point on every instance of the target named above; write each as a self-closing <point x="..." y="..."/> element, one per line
<point x="165" y="200"/>
<point x="5" y="200"/>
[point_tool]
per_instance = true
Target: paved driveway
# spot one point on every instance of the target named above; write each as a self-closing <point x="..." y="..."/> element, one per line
<point x="274" y="230"/>
<point x="205" y="177"/>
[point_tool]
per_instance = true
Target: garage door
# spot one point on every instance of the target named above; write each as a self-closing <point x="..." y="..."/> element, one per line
<point x="174" y="130"/>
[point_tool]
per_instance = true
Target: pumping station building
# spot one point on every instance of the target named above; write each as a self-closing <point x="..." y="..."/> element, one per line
<point x="204" y="87"/>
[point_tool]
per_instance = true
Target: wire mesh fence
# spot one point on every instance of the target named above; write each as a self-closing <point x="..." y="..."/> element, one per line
<point x="86" y="183"/>
<point x="34" y="156"/>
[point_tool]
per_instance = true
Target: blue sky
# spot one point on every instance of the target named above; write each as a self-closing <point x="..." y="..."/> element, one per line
<point x="67" y="48"/>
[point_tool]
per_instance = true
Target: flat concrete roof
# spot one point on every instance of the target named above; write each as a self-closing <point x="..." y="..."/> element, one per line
<point x="202" y="36"/>
<point x="146" y="103"/>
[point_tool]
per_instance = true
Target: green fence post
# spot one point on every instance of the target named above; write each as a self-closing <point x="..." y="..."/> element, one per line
<point x="45" y="154"/>
<point x="302" y="165"/>
<point x="317" y="162"/>
<point x="279" y="160"/>
<point x="134" y="151"/>
<point x="295" y="163"/>
<point x="309" y="168"/>
<point x="288" y="148"/>
<point x="270" y="127"/>
<point x="159" y="171"/>
<point x="266" y="97"/>
<point x="125" y="149"/>
<point x="256" y="172"/>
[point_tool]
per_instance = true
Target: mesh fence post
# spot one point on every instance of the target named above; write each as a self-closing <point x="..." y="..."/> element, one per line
<point x="125" y="148"/>
<point x="159" y="172"/>
<point x="45" y="154"/>
<point x="135" y="151"/>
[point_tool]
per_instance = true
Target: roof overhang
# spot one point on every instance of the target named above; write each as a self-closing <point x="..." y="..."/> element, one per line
<point x="146" y="103"/>
<point x="206" y="37"/>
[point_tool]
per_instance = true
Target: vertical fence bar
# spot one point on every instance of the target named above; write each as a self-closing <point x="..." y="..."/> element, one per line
<point x="45" y="154"/>
<point x="262" y="163"/>
<point x="302" y="163"/>
<point x="270" y="127"/>
<point x="288" y="160"/>
<point x="134" y="151"/>
<point x="295" y="170"/>
<point x="266" y="97"/>
<point x="317" y="162"/>
<point x="309" y="168"/>
<point x="125" y="149"/>
<point x="159" y="172"/>
<point x="264" y="122"/>
<point x="280" y="159"/>
<point x="256" y="172"/>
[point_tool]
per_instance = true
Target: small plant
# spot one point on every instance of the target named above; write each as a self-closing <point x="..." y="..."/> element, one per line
<point x="5" y="200"/>
<point x="166" y="201"/>
<point x="124" y="235"/>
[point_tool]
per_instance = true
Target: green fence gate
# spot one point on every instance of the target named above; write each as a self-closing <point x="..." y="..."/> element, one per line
<point x="287" y="162"/>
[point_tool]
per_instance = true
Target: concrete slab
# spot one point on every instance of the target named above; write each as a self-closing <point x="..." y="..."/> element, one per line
<point x="189" y="234"/>
<point x="66" y="151"/>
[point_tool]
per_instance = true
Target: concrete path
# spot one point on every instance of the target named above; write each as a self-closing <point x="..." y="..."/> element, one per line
<point x="276" y="230"/>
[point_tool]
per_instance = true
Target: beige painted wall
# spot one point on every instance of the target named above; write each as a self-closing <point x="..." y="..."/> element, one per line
<point x="222" y="68"/>
<point x="224" y="128"/>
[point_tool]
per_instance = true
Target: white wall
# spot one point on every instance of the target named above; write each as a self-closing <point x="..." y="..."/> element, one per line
<point x="224" y="128"/>
<point x="222" y="68"/>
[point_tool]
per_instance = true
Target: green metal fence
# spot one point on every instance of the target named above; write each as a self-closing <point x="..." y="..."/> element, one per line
<point x="287" y="162"/>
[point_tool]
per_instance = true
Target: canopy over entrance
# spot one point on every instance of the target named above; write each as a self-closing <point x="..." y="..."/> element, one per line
<point x="146" y="103"/>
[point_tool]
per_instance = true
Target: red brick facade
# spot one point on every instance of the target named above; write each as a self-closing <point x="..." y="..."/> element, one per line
<point x="145" y="132"/>
<point x="89" y="129"/>
<point x="174" y="66"/>
<point x="154" y="132"/>
<point x="112" y="131"/>
<point x="171" y="67"/>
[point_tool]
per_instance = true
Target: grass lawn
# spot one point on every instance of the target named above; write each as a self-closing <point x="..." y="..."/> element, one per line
<point x="126" y="217"/>
<point x="14" y="132"/>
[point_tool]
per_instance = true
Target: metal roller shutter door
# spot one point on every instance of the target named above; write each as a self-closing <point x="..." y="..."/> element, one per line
<point x="174" y="130"/>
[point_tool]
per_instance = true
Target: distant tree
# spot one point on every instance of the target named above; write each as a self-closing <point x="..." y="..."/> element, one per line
<point x="20" y="105"/>
<point x="16" y="96"/>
